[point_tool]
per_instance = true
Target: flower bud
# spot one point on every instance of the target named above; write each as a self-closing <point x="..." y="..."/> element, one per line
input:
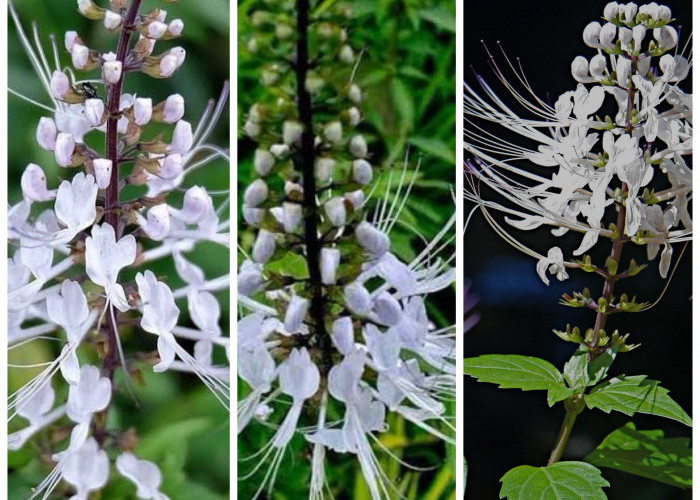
<point x="256" y="193"/>
<point x="354" y="116"/>
<point x="357" y="299"/>
<point x="94" y="111"/>
<point x="112" y="20"/>
<point x="611" y="11"/>
<point x="355" y="94"/>
<point x="34" y="184"/>
<point x="361" y="172"/>
<point x="664" y="13"/>
<point x="111" y="68"/>
<point x="65" y="146"/>
<point x="293" y="191"/>
<point x="346" y="55"/>
<point x="591" y="33"/>
<point x="171" y="110"/>
<point x="638" y="33"/>
<point x="333" y="132"/>
<point x="388" y="309"/>
<point x="372" y="239"/>
<point x="667" y="37"/>
<point x="279" y="151"/>
<point x="623" y="68"/>
<point x="579" y="69"/>
<point x="167" y="66"/>
<point x="291" y="132"/>
<point x="630" y="11"/>
<point x="80" y="56"/>
<point x="330" y="260"/>
<point x="170" y="167"/>
<point x="625" y="35"/>
<point x="358" y="146"/>
<point x="249" y="278"/>
<point x="156" y="30"/>
<point x="46" y="133"/>
<point x="253" y="216"/>
<point x="70" y="39"/>
<point x="182" y="138"/>
<point x="295" y="314"/>
<point x="175" y="27"/>
<point x="195" y="206"/>
<point x="283" y="31"/>
<point x="88" y="9"/>
<point x="324" y="169"/>
<point x="143" y="110"/>
<point x="291" y="216"/>
<point x="335" y="211"/>
<point x="598" y="66"/>
<point x="665" y="261"/>
<point x="264" y="246"/>
<point x="60" y="85"/>
<point x="157" y="224"/>
<point x="103" y="172"/>
<point x="607" y="36"/>
<point x="355" y="198"/>
<point x="263" y="162"/>
<point x="342" y="335"/>
<point x="252" y="129"/>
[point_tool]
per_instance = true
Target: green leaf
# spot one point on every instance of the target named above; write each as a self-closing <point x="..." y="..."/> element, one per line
<point x="647" y="454"/>
<point x="159" y="443"/>
<point x="434" y="147"/>
<point x="598" y="368"/>
<point x="291" y="265"/>
<point x="576" y="370"/>
<point x="440" y="17"/>
<point x="513" y="371"/>
<point x="630" y="395"/>
<point x="559" y="481"/>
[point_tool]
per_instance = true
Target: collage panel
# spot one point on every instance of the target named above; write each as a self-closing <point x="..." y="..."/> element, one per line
<point x="118" y="250"/>
<point x="346" y="247"/>
<point x="577" y="250"/>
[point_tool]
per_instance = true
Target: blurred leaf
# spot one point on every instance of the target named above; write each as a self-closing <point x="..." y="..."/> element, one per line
<point x="440" y="18"/>
<point x="434" y="147"/>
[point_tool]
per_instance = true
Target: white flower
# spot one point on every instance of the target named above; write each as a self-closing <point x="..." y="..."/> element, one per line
<point x="111" y="68"/>
<point x="64" y="148"/>
<point x="80" y="55"/>
<point x="182" y="138"/>
<point x="105" y="257"/>
<point x="94" y="111"/>
<point x="46" y="133"/>
<point x="34" y="184"/>
<point x="87" y="469"/>
<point x="144" y="474"/>
<point x="358" y="146"/>
<point x="295" y="314"/>
<point x="361" y="172"/>
<point x="157" y="222"/>
<point x="103" y="172"/>
<point x="263" y="162"/>
<point x="112" y="20"/>
<point x="90" y="395"/>
<point x="75" y="203"/>
<point x="143" y="109"/>
<point x="173" y="108"/>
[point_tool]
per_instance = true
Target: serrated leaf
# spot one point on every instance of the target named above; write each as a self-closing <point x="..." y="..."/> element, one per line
<point x="513" y="371"/>
<point x="576" y="370"/>
<point x="598" y="368"/>
<point x="290" y="265"/>
<point x="630" y="395"/>
<point x="647" y="454"/>
<point x="559" y="481"/>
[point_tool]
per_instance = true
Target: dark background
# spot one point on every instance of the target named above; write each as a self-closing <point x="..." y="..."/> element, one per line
<point x="507" y="428"/>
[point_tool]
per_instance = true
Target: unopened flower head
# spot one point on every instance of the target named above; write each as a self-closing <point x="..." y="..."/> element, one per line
<point x="74" y="259"/>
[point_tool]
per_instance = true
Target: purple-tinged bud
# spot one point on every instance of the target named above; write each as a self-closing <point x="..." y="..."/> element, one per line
<point x="355" y="198"/>
<point x="175" y="27"/>
<point x="263" y="162"/>
<point x="94" y="111"/>
<point x="143" y="110"/>
<point x="88" y="9"/>
<point x="103" y="172"/>
<point x="256" y="193"/>
<point x="333" y="132"/>
<point x="330" y="260"/>
<point x="70" y="39"/>
<point x="34" y="184"/>
<point x="387" y="309"/>
<point x="253" y="216"/>
<point x="182" y="138"/>
<point x="335" y="211"/>
<point x="358" y="146"/>
<point x="295" y="313"/>
<point x="264" y="246"/>
<point x="361" y="172"/>
<point x="80" y="56"/>
<point x="324" y="169"/>
<point x="291" y="216"/>
<point x="342" y="335"/>
<point x="46" y="133"/>
<point x="65" y="146"/>
<point x="171" y="167"/>
<point x="170" y="110"/>
<point x="156" y="30"/>
<point x="195" y="205"/>
<point x="372" y="239"/>
<point x="60" y="85"/>
<point x="357" y="299"/>
<point x="157" y="223"/>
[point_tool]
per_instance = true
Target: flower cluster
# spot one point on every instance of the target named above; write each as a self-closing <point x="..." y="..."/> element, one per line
<point x="332" y="322"/>
<point x="630" y="162"/>
<point x="85" y="230"/>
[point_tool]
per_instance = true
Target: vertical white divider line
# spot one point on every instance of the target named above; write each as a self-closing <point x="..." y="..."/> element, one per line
<point x="459" y="228"/>
<point x="233" y="255"/>
<point x="696" y="269"/>
<point x="3" y="231"/>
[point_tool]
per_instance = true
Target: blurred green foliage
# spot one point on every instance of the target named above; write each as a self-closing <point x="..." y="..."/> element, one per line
<point x="407" y="76"/>
<point x="180" y="424"/>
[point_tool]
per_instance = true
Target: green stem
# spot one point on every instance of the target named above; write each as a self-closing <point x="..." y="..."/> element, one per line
<point x="574" y="406"/>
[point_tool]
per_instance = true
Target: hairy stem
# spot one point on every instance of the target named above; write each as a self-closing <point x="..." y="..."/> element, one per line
<point x="305" y="164"/>
<point x="114" y="91"/>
